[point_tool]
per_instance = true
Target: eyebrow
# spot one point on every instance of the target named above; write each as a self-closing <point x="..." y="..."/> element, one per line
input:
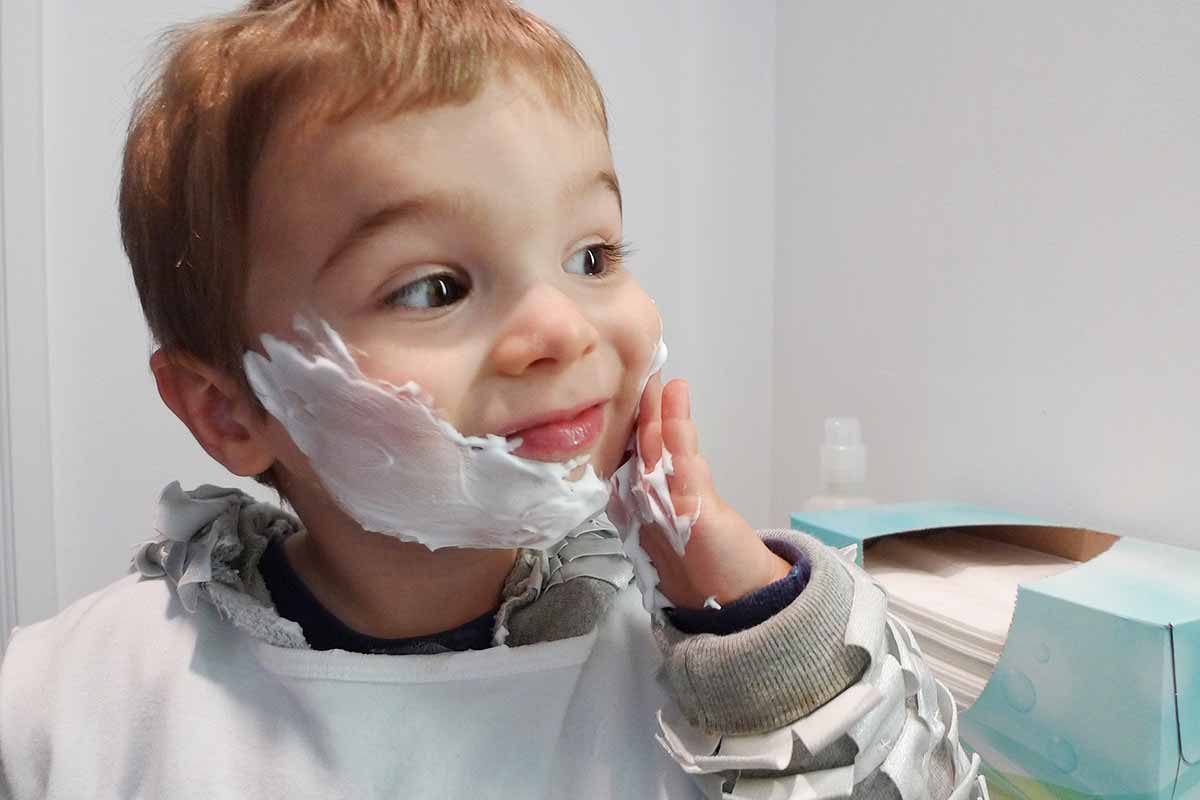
<point x="432" y="205"/>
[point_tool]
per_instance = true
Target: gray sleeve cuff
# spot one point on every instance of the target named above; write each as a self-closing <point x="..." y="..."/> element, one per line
<point x="772" y="674"/>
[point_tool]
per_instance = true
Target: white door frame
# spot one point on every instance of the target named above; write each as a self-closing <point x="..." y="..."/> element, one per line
<point x="27" y="541"/>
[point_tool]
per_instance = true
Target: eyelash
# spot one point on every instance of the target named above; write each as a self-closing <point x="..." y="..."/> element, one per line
<point x="615" y="253"/>
<point x="612" y="256"/>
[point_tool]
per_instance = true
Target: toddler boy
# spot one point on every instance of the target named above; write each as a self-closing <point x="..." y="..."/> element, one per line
<point x="379" y="244"/>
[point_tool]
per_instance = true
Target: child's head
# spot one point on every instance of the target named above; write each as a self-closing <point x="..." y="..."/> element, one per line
<point x="431" y="177"/>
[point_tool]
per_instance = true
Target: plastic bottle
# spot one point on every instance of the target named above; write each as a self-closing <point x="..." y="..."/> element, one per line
<point x="843" y="467"/>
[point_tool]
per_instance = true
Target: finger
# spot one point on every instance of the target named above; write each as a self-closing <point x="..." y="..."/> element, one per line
<point x="680" y="437"/>
<point x="650" y="422"/>
<point x="692" y="479"/>
<point x="650" y="443"/>
<point x="651" y="402"/>
<point x="671" y="573"/>
<point x="677" y="400"/>
<point x="685" y="504"/>
<point x="679" y="433"/>
<point x="655" y="545"/>
<point x="673" y="579"/>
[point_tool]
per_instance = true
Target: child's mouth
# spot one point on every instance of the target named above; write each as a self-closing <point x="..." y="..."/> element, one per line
<point x="559" y="441"/>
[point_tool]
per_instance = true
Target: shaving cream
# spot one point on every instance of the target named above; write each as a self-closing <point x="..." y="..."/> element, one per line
<point x="642" y="498"/>
<point x="396" y="467"/>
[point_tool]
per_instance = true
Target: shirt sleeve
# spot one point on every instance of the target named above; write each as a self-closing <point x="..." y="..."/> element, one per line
<point x="827" y="697"/>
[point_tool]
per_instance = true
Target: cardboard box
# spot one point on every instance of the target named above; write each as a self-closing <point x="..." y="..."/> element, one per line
<point x="1097" y="692"/>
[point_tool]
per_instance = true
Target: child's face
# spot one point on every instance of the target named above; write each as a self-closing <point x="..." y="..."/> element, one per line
<point x="458" y="248"/>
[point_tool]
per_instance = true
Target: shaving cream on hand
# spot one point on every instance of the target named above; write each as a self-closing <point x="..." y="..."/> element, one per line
<point x="397" y="468"/>
<point x="644" y="498"/>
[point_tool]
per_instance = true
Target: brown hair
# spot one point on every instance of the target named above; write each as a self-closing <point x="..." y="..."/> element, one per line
<point x="199" y="127"/>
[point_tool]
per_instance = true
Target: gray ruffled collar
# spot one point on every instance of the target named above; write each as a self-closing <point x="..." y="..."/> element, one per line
<point x="211" y="539"/>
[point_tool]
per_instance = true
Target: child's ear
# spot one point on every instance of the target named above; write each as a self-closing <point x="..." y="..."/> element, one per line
<point x="215" y="410"/>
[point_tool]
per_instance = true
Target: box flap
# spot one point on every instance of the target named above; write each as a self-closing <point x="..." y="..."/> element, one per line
<point x="1186" y="640"/>
<point x="869" y="522"/>
<point x="1139" y="580"/>
<point x="852" y="525"/>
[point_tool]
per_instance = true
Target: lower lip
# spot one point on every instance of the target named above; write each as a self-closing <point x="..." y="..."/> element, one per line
<point x="560" y="440"/>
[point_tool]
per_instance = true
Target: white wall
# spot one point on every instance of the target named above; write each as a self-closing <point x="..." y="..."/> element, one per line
<point x="690" y="79"/>
<point x="26" y="499"/>
<point x="114" y="445"/>
<point x="989" y="242"/>
<point x="983" y="242"/>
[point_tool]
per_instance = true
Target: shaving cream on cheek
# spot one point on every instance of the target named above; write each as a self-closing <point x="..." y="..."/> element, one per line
<point x="396" y="467"/>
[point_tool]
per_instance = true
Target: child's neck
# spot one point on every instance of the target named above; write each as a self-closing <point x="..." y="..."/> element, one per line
<point x="383" y="587"/>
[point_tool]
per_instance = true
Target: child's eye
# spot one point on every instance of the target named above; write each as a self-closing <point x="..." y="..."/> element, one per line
<point x="597" y="260"/>
<point x="432" y="291"/>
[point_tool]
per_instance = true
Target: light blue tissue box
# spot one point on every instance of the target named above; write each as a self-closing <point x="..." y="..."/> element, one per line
<point x="1097" y="692"/>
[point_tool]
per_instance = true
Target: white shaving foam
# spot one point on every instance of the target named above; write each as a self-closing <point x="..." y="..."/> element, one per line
<point x="640" y="498"/>
<point x="397" y="468"/>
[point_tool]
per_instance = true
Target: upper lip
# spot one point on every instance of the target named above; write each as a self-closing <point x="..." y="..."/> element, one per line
<point x="546" y="418"/>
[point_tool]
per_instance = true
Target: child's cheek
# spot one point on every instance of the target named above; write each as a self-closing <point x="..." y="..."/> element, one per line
<point x="641" y="330"/>
<point x="624" y="423"/>
<point x="618" y="428"/>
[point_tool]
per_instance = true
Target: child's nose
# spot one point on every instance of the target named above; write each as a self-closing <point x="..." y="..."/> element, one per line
<point x="546" y="327"/>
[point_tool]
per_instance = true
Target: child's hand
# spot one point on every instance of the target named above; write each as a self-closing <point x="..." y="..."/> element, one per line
<point x="724" y="557"/>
